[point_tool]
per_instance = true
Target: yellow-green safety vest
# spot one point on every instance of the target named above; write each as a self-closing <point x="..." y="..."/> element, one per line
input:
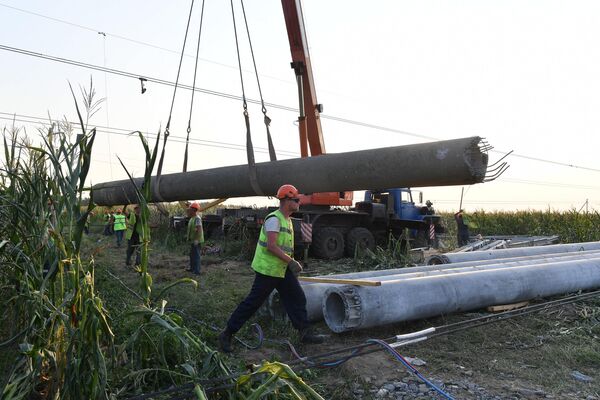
<point x="119" y="222"/>
<point x="264" y="261"/>
<point x="130" y="224"/>
<point x="192" y="235"/>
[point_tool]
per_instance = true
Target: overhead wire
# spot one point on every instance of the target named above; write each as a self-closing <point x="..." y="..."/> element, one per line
<point x="127" y="39"/>
<point x="233" y="146"/>
<point x="271" y="105"/>
<point x="127" y="133"/>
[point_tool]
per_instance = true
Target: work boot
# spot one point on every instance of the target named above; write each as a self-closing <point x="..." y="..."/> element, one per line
<point x="308" y="336"/>
<point x="225" y="341"/>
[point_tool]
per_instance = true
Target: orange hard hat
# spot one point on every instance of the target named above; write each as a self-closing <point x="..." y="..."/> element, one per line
<point x="195" y="206"/>
<point x="287" y="192"/>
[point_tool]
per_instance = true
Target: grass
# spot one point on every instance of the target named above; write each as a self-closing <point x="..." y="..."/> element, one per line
<point x="79" y="325"/>
<point x="538" y="351"/>
<point x="58" y="335"/>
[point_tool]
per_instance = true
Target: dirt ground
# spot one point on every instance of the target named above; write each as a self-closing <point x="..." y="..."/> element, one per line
<point x="526" y="357"/>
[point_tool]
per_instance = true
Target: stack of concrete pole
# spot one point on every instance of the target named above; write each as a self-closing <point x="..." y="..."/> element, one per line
<point x="482" y="280"/>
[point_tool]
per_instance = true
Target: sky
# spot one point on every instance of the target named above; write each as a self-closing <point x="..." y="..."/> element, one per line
<point x="523" y="74"/>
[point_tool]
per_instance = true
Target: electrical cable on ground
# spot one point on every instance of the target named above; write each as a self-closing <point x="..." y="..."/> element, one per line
<point x="408" y="366"/>
<point x="357" y="350"/>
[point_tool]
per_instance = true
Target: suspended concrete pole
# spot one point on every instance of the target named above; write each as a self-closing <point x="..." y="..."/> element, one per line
<point x="517" y="252"/>
<point x="442" y="163"/>
<point x="356" y="307"/>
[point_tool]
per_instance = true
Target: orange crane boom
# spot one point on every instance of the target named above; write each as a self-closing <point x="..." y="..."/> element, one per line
<point x="309" y="122"/>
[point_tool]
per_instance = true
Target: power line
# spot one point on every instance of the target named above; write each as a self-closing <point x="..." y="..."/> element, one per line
<point x="134" y="41"/>
<point x="253" y="101"/>
<point x="127" y="132"/>
<point x="232" y="146"/>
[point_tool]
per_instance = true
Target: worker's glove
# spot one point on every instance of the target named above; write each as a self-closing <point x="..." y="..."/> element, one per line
<point x="295" y="267"/>
<point x="195" y="243"/>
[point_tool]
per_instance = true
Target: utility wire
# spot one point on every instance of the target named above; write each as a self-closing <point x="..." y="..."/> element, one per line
<point x="232" y="146"/>
<point x="253" y="101"/>
<point x="127" y="133"/>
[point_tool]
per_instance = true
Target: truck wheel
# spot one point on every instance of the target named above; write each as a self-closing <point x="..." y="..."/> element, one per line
<point x="328" y="243"/>
<point x="361" y="237"/>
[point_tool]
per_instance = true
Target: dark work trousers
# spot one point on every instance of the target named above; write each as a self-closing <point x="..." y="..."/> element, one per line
<point x="195" y="258"/>
<point x="119" y="235"/>
<point x="133" y="246"/>
<point x="463" y="236"/>
<point x="291" y="295"/>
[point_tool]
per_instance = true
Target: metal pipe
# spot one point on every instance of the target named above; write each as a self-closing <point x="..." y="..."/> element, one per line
<point x="315" y="292"/>
<point x="442" y="163"/>
<point x="516" y="252"/>
<point x="357" y="307"/>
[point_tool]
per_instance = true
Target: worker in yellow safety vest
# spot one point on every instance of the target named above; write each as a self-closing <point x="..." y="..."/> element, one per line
<point x="275" y="268"/>
<point x="195" y="236"/>
<point x="119" y="226"/>
<point x="134" y="235"/>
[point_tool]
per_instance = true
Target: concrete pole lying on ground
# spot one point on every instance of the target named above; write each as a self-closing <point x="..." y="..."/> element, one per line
<point x="442" y="163"/>
<point x="439" y="267"/>
<point x="315" y="292"/>
<point x="516" y="252"/>
<point x="356" y="307"/>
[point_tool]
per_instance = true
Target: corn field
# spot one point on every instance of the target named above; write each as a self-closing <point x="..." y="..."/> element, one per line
<point x="571" y="226"/>
<point x="55" y="328"/>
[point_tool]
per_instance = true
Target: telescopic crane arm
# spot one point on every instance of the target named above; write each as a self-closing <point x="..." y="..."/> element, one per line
<point x="309" y="122"/>
<point x="311" y="134"/>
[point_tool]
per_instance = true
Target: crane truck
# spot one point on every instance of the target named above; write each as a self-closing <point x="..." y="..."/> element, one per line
<point x="326" y="222"/>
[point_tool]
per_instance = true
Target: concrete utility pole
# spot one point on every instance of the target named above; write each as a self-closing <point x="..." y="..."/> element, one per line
<point x="358" y="307"/>
<point x="443" y="163"/>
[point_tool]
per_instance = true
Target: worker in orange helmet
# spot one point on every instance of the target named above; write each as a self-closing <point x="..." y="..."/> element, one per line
<point x="275" y="268"/>
<point x="195" y="236"/>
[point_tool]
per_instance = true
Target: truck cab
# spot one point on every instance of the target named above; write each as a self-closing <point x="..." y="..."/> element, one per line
<point x="399" y="209"/>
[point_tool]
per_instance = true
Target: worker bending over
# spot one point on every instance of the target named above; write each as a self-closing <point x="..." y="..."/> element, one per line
<point x="275" y="268"/>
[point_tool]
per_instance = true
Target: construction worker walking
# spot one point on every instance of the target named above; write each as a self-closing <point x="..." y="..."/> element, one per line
<point x="119" y="226"/>
<point x="133" y="236"/>
<point x="108" y="223"/>
<point x="195" y="236"/>
<point x="275" y="268"/>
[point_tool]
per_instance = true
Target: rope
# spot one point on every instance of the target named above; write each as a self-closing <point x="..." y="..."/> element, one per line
<point x="267" y="120"/>
<point x="162" y="154"/>
<point x="189" y="128"/>
<point x="249" y="148"/>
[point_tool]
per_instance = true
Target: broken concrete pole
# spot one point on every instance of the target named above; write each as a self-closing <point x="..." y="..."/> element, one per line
<point x="442" y="163"/>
